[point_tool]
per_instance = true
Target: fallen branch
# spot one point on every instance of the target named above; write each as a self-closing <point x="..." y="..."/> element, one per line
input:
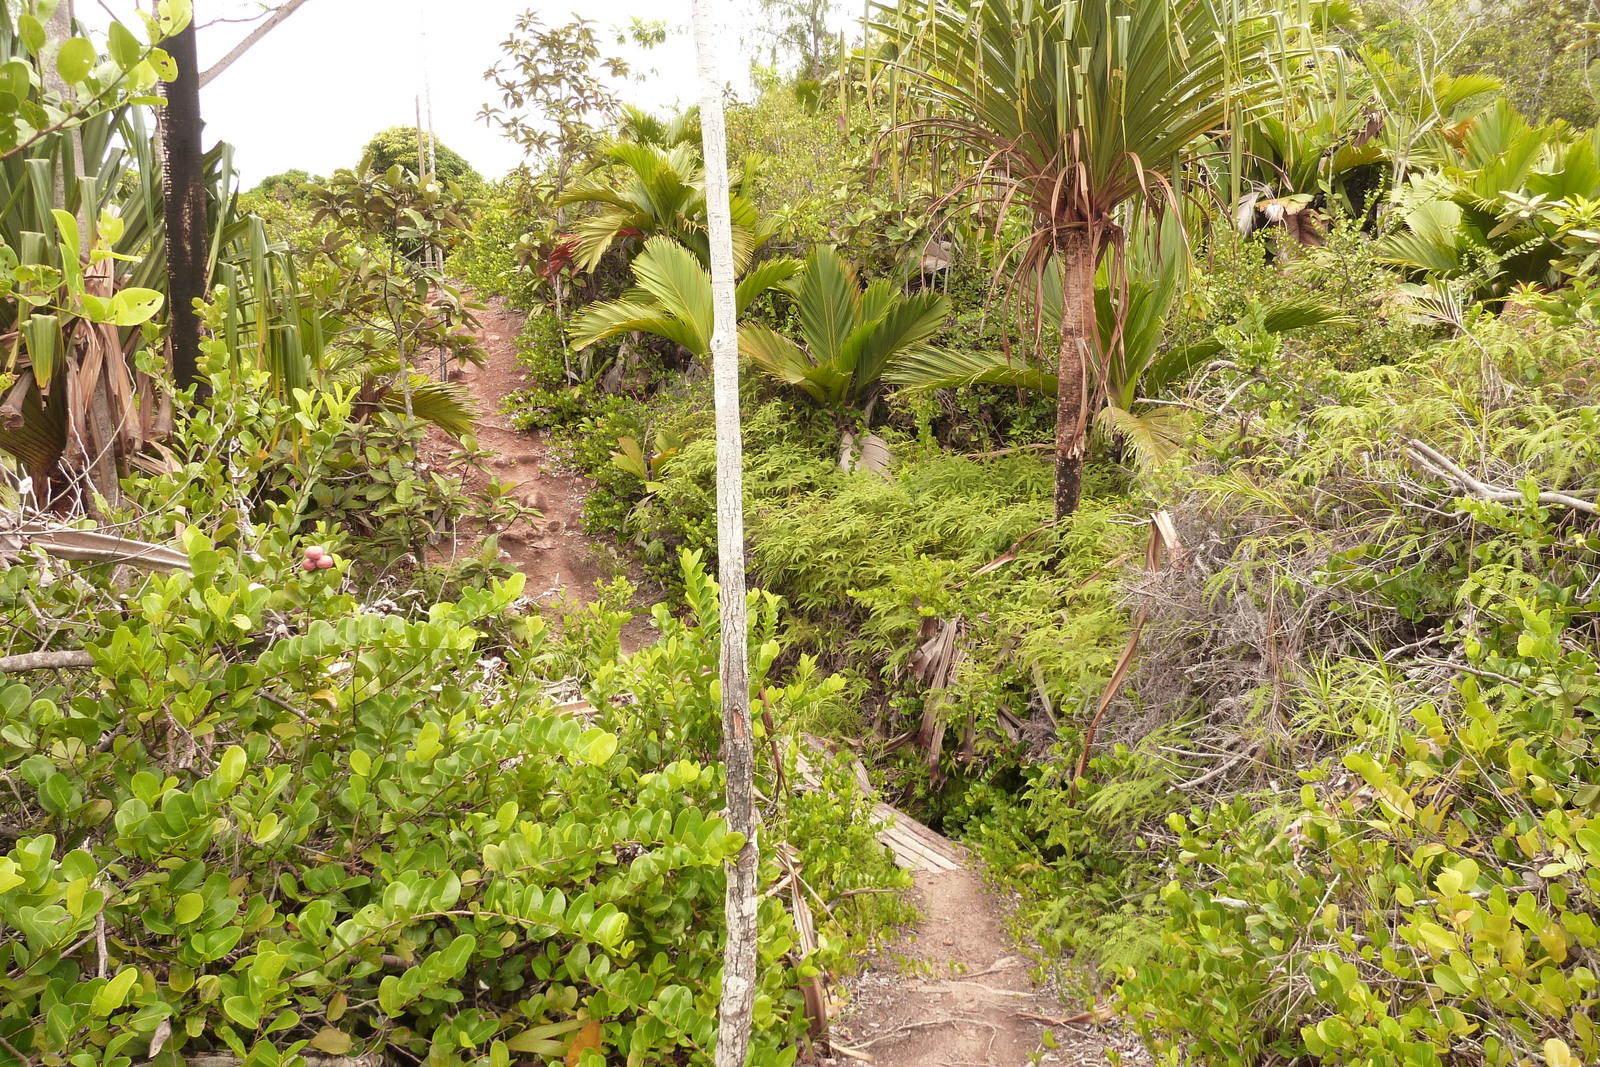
<point x="1213" y="773"/>
<point x="1008" y="451"/>
<point x="1093" y="1015"/>
<point x="851" y="1053"/>
<point x="90" y="546"/>
<point x="1163" y="541"/>
<point x="1435" y="462"/>
<point x="44" y="661"/>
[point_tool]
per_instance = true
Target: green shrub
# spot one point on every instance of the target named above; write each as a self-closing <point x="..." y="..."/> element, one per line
<point x="247" y="458"/>
<point x="1422" y="665"/>
<point x="270" y="819"/>
<point x="491" y="259"/>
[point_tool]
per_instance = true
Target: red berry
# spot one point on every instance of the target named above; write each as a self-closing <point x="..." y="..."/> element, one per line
<point x="325" y="562"/>
<point x="309" y="564"/>
<point x="316" y="552"/>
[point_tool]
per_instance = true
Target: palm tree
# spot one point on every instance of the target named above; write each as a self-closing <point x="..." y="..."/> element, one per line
<point x="1477" y="220"/>
<point x="1074" y="111"/>
<point x="850" y="337"/>
<point x="1130" y="325"/>
<point x="646" y="127"/>
<point x="661" y="192"/>
<point x="672" y="299"/>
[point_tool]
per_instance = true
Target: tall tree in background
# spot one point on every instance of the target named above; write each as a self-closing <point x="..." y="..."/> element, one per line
<point x="555" y="99"/>
<point x="183" y="184"/>
<point x="799" y="28"/>
<point x="1073" y="111"/>
<point x="738" y="750"/>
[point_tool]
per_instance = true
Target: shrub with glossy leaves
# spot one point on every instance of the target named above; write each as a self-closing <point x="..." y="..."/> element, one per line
<point x="271" y="819"/>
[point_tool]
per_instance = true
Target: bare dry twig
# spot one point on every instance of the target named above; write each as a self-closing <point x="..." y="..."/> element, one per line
<point x="44" y="661"/>
<point x="1434" y="461"/>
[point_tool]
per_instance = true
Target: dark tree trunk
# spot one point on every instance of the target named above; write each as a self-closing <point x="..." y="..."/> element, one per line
<point x="183" y="184"/>
<point x="1077" y="254"/>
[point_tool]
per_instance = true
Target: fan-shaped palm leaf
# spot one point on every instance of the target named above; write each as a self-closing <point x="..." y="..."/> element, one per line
<point x="673" y="299"/>
<point x="650" y="190"/>
<point x="849" y="336"/>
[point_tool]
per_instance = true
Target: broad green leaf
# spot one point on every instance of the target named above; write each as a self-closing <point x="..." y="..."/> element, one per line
<point x="332" y="1041"/>
<point x="134" y="306"/>
<point x="9" y="878"/>
<point x="1438" y="937"/>
<point x="114" y="993"/>
<point x="1557" y="1053"/>
<point x="267" y="828"/>
<point x="190" y="907"/>
<point x="525" y="1041"/>
<point x="125" y="48"/>
<point x="31" y="30"/>
<point x="598" y="747"/>
<point x="390" y="997"/>
<point x="244" y="1010"/>
<point x="230" y="769"/>
<point x="75" y="60"/>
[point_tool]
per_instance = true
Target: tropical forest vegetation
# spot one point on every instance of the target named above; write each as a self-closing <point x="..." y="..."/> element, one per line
<point x="1154" y="444"/>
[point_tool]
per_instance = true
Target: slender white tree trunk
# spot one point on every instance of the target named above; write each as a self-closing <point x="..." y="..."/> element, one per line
<point x="57" y="30"/>
<point x="738" y="753"/>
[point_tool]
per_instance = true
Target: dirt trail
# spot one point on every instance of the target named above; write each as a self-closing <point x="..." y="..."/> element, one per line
<point x="550" y="547"/>
<point x="955" y="992"/>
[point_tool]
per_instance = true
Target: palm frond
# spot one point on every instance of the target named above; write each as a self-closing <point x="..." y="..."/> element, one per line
<point x="678" y="282"/>
<point x="948" y="368"/>
<point x="829" y="303"/>
<point x="1155" y="436"/>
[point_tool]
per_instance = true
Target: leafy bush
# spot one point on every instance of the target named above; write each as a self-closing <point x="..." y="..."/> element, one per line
<point x="1422" y="662"/>
<point x="491" y="260"/>
<point x="305" y="460"/>
<point x="271" y="818"/>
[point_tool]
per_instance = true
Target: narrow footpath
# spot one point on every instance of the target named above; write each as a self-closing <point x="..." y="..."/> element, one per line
<point x="549" y="545"/>
<point x="954" y="991"/>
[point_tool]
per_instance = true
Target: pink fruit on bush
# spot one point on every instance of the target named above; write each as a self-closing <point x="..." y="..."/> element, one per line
<point x="309" y="564"/>
<point x="316" y="552"/>
<point x="325" y="562"/>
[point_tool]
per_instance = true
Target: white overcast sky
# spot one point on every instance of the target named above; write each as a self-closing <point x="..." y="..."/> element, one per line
<point x="312" y="92"/>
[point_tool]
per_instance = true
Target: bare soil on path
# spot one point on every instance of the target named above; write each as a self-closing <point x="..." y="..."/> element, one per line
<point x="955" y="992"/>
<point x="561" y="560"/>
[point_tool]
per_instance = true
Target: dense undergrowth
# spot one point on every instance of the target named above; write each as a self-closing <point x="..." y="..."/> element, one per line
<point x="1341" y="807"/>
<point x="1283" y="735"/>
<point x="293" y="809"/>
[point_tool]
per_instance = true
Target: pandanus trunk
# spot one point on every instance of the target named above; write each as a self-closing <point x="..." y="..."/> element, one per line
<point x="1076" y="253"/>
<point x="184" y="187"/>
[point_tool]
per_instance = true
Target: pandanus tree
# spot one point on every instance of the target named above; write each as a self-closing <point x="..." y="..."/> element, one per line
<point x="1076" y="112"/>
<point x="1130" y="326"/>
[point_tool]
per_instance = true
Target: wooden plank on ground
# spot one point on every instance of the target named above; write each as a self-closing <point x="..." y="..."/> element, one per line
<point x="915" y="846"/>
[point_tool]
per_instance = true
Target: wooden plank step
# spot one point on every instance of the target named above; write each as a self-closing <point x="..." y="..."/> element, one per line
<point x="915" y="846"/>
